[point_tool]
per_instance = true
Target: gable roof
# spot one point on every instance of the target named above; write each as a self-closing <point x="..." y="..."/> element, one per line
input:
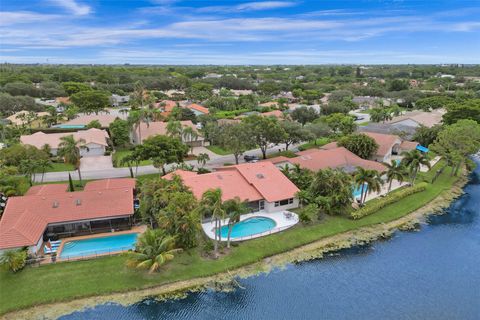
<point x="252" y="182"/>
<point x="385" y="142"/>
<point x="341" y="158"/>
<point x="128" y="183"/>
<point x="198" y="108"/>
<point x="26" y="217"/>
<point x="44" y="189"/>
<point x="104" y="119"/>
<point x="39" y="139"/>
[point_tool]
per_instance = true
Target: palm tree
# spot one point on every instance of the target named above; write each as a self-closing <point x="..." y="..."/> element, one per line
<point x="368" y="181"/>
<point x="413" y="160"/>
<point x="202" y="159"/>
<point x="174" y="128"/>
<point x="189" y="135"/>
<point x="43" y="165"/>
<point x="395" y="171"/>
<point x="234" y="208"/>
<point x="134" y="120"/>
<point x="69" y="149"/>
<point x="154" y="248"/>
<point x="212" y="205"/>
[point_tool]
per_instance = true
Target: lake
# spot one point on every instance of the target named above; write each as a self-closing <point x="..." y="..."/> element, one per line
<point x="430" y="274"/>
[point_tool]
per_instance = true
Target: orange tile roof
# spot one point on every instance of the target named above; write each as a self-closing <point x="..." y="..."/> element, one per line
<point x="25" y="218"/>
<point x="110" y="184"/>
<point x="198" y="108"/>
<point x="104" y="119"/>
<point x="278" y="159"/>
<point x="408" y="145"/>
<point x="274" y="113"/>
<point x="44" y="189"/>
<point x="252" y="182"/>
<point x="317" y="159"/>
<point x="65" y="100"/>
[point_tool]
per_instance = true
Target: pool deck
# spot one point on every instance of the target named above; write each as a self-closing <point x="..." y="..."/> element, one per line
<point x="136" y="229"/>
<point x="282" y="223"/>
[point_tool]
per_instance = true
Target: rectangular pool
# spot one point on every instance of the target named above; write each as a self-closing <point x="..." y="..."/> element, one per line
<point x="99" y="245"/>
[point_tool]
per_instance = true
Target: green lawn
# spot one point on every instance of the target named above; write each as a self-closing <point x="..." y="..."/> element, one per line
<point x="314" y="144"/>
<point x="118" y="155"/>
<point x="46" y="284"/>
<point x="218" y="150"/>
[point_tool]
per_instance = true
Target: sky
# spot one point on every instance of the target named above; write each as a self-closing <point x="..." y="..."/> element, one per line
<point x="240" y="32"/>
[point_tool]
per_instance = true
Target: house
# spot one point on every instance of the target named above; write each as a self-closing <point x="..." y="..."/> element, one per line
<point x="261" y="184"/>
<point x="96" y="141"/>
<point x="117" y="100"/>
<point x="294" y="106"/>
<point x="166" y="107"/>
<point x="105" y="119"/>
<point x="197" y="109"/>
<point x="389" y="145"/>
<point x="147" y="130"/>
<point x="367" y="102"/>
<point x="332" y="157"/>
<point x="417" y="118"/>
<point x="21" y="118"/>
<point x="50" y="212"/>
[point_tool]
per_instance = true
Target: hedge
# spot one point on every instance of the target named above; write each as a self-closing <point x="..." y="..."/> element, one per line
<point x="380" y="203"/>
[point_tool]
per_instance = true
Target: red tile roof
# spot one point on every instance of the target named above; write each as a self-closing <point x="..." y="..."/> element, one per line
<point x="252" y="182"/>
<point x="408" y="145"/>
<point x="110" y="184"/>
<point x="44" y="189"/>
<point x="198" y="108"/>
<point x="317" y="159"/>
<point x="25" y="218"/>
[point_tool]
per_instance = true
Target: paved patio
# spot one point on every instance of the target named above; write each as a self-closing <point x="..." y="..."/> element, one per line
<point x="283" y="220"/>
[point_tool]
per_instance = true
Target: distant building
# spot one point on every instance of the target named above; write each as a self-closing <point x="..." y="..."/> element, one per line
<point x="197" y="109"/>
<point x="117" y="100"/>
<point x="151" y="129"/>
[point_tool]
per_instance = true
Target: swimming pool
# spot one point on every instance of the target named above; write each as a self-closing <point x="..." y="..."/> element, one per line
<point x="70" y="126"/>
<point x="357" y="192"/>
<point x="248" y="227"/>
<point x="100" y="245"/>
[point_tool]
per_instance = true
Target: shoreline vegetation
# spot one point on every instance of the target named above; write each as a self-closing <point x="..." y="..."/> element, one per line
<point x="34" y="291"/>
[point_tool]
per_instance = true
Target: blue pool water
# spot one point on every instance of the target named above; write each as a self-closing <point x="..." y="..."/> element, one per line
<point x="357" y="192"/>
<point x="70" y="126"/>
<point x="248" y="227"/>
<point x="432" y="274"/>
<point x="100" y="245"/>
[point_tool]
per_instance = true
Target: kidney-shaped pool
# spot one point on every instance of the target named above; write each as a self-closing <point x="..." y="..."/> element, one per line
<point x="248" y="227"/>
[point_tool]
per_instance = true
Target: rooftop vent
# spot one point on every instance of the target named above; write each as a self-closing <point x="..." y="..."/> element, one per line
<point x="78" y="202"/>
<point x="260" y="176"/>
<point x="55" y="204"/>
<point x="219" y="177"/>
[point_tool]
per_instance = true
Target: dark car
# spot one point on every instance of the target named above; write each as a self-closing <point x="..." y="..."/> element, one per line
<point x="251" y="158"/>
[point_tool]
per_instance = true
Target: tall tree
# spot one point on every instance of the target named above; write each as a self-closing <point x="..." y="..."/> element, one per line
<point x="413" y="160"/>
<point x="163" y="150"/>
<point x="69" y="149"/>
<point x="234" y="208"/>
<point x="360" y="144"/>
<point x="294" y="133"/>
<point x="236" y="139"/>
<point x="91" y="101"/>
<point x="264" y="131"/>
<point x="368" y="181"/>
<point x="395" y="171"/>
<point x="211" y="205"/>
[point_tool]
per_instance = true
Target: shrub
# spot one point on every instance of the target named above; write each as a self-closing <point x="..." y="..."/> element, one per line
<point x="380" y="203"/>
<point x="15" y="259"/>
<point x="308" y="213"/>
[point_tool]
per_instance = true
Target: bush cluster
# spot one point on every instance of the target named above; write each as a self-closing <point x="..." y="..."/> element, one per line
<point x="378" y="204"/>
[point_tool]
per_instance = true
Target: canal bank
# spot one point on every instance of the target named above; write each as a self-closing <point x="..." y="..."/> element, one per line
<point x="313" y="250"/>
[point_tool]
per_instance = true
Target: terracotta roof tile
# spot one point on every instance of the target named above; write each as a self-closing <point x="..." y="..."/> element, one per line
<point x="39" y="139"/>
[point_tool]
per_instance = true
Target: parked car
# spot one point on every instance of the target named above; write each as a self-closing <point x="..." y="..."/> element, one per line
<point x="248" y="158"/>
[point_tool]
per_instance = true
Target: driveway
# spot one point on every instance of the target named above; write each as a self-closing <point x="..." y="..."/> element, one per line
<point x="96" y="163"/>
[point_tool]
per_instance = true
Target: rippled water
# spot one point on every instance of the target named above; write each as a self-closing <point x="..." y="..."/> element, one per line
<point x="431" y="274"/>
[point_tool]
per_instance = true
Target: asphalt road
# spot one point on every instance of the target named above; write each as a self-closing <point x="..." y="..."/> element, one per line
<point x="124" y="172"/>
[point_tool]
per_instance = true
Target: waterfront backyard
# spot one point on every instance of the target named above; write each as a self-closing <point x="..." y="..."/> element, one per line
<point x="107" y="275"/>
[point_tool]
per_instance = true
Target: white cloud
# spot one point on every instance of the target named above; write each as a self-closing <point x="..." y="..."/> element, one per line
<point x="73" y="7"/>
<point x="249" y="6"/>
<point x="24" y="17"/>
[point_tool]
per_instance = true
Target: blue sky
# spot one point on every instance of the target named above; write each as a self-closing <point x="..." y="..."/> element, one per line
<point x="239" y="32"/>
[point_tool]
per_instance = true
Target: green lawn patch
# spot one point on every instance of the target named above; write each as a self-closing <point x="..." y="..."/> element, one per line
<point x="118" y="155"/>
<point x="314" y="144"/>
<point x="46" y="284"/>
<point x="218" y="150"/>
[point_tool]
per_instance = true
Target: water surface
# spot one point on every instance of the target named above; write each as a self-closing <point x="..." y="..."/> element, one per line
<point x="431" y="274"/>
